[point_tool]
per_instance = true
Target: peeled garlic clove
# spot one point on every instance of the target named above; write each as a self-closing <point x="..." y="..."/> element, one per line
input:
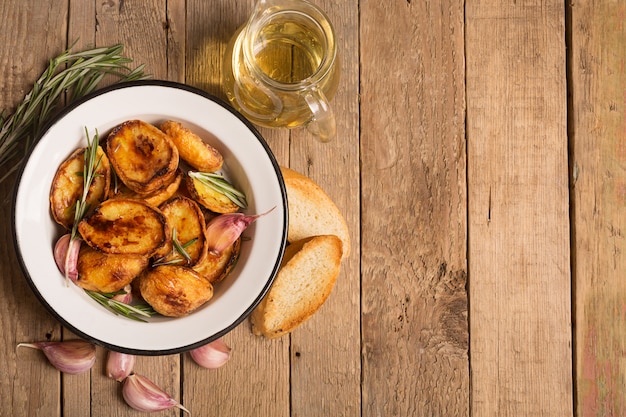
<point x="212" y="355"/>
<point x="70" y="357"/>
<point x="144" y="395"/>
<point x="225" y="229"/>
<point x="119" y="365"/>
<point x="66" y="256"/>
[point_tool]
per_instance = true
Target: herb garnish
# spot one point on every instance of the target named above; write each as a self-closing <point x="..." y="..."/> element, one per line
<point x="78" y="74"/>
<point x="218" y="183"/>
<point x="177" y="247"/>
<point x="134" y="312"/>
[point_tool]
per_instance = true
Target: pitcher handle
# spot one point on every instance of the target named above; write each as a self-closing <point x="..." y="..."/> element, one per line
<point x="322" y="125"/>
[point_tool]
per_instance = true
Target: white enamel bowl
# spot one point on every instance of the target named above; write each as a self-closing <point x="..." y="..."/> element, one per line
<point x="248" y="163"/>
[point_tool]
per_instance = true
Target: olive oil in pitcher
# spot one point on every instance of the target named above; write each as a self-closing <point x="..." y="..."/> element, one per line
<point x="281" y="68"/>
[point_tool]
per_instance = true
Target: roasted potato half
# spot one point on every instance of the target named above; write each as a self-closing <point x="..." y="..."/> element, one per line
<point x="155" y="198"/>
<point x="192" y="149"/>
<point x="98" y="271"/>
<point x="125" y="226"/>
<point x="174" y="291"/>
<point x="144" y="157"/>
<point x="214" y="268"/>
<point x="186" y="220"/>
<point x="67" y="186"/>
<point x="208" y="197"/>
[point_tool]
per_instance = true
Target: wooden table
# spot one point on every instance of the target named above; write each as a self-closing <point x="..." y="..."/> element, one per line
<point x="481" y="166"/>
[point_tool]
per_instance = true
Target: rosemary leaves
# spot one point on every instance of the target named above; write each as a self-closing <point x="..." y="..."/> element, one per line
<point x="75" y="73"/>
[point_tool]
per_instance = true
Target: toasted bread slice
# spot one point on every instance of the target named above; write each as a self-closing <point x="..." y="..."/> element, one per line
<point x="311" y="211"/>
<point x="305" y="280"/>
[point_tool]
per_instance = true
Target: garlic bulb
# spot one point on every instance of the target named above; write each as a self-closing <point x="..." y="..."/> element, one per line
<point x="212" y="355"/>
<point x="70" y="357"/>
<point x="144" y="395"/>
<point x="225" y="229"/>
<point x="119" y="365"/>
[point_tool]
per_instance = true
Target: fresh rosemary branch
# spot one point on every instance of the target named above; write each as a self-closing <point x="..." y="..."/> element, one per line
<point x="218" y="183"/>
<point x="75" y="73"/>
<point x="135" y="312"/>
<point x="89" y="173"/>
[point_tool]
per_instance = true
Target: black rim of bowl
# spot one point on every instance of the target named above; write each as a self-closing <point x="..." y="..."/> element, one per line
<point x="270" y="280"/>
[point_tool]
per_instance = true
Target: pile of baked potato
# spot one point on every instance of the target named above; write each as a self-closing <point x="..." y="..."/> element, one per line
<point x="147" y="217"/>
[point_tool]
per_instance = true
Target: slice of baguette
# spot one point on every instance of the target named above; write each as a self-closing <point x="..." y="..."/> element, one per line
<point x="311" y="210"/>
<point x="305" y="280"/>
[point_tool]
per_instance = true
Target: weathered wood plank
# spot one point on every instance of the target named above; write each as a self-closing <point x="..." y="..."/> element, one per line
<point x="598" y="155"/>
<point x="143" y="28"/>
<point x="325" y="351"/>
<point x="414" y="241"/>
<point x="518" y="209"/>
<point x="28" y="384"/>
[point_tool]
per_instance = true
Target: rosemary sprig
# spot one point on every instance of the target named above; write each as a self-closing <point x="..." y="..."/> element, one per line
<point x="135" y="312"/>
<point x="177" y="247"/>
<point x="218" y="183"/>
<point x="77" y="73"/>
<point x="91" y="164"/>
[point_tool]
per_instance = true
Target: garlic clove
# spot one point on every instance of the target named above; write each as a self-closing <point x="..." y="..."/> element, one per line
<point x="144" y="395"/>
<point x="212" y="355"/>
<point x="60" y="250"/>
<point x="66" y="256"/>
<point x="70" y="357"/>
<point x="119" y="365"/>
<point x="126" y="297"/>
<point x="225" y="229"/>
<point x="71" y="260"/>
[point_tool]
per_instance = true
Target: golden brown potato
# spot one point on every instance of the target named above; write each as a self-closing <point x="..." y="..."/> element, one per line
<point x="192" y="149"/>
<point x="67" y="186"/>
<point x="125" y="226"/>
<point x="154" y="199"/>
<point x="214" y="268"/>
<point x="98" y="271"/>
<point x="144" y="157"/>
<point x="185" y="217"/>
<point x="174" y="291"/>
<point x="208" y="197"/>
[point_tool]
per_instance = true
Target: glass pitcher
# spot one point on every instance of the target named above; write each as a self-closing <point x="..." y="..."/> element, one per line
<point x="281" y="68"/>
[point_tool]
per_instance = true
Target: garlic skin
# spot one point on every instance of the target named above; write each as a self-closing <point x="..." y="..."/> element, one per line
<point x="144" y="395"/>
<point x="66" y="256"/>
<point x="119" y="365"/>
<point x="126" y="298"/>
<point x="223" y="230"/>
<point x="70" y="357"/>
<point x="212" y="355"/>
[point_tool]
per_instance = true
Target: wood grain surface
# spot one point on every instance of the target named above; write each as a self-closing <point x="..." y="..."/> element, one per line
<point x="480" y="164"/>
<point x="414" y="268"/>
<point x="519" y="254"/>
<point x="598" y="165"/>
